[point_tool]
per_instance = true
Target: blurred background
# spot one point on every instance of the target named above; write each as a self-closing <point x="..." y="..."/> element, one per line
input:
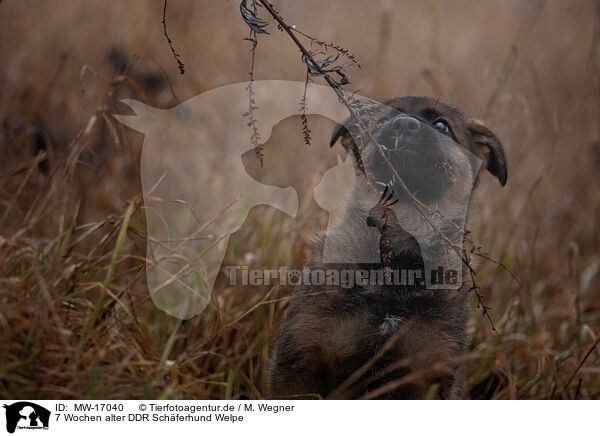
<point x="76" y="320"/>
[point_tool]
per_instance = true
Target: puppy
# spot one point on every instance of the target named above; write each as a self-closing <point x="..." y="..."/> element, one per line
<point x="390" y="340"/>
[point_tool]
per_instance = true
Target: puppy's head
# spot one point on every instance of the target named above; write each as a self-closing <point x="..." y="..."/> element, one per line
<point x="425" y="142"/>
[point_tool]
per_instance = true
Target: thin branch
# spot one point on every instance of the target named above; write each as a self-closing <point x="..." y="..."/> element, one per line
<point x="303" y="107"/>
<point x="314" y="65"/>
<point x="336" y="47"/>
<point x="176" y="55"/>
<point x="255" y="25"/>
<point x="485" y="310"/>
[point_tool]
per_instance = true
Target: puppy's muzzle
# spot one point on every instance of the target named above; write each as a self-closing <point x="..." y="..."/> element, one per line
<point x="417" y="153"/>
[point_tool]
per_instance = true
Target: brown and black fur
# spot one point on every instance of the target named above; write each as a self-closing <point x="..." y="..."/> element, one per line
<point x="387" y="341"/>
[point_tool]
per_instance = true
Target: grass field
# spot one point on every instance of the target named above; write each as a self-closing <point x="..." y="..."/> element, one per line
<point x="76" y="320"/>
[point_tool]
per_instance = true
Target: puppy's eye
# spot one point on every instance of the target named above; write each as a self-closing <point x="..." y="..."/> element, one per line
<point x="441" y="125"/>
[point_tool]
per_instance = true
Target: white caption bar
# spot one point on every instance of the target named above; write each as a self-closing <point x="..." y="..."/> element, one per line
<point x="23" y="417"/>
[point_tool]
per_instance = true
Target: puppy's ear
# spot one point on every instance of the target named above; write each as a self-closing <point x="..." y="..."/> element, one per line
<point x="490" y="148"/>
<point x="341" y="131"/>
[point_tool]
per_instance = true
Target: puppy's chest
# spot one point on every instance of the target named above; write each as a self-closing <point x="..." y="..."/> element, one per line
<point x="388" y="307"/>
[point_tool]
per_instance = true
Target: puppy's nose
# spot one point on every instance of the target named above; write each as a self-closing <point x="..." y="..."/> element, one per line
<point x="406" y="124"/>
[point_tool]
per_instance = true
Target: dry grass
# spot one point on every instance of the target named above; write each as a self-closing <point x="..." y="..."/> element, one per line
<point x="75" y="318"/>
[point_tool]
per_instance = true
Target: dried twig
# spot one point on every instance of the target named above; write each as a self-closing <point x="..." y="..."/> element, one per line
<point x="316" y="69"/>
<point x="256" y="26"/>
<point x="305" y="130"/>
<point x="485" y="310"/>
<point x="336" y="47"/>
<point x="176" y="55"/>
<point x="255" y="23"/>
